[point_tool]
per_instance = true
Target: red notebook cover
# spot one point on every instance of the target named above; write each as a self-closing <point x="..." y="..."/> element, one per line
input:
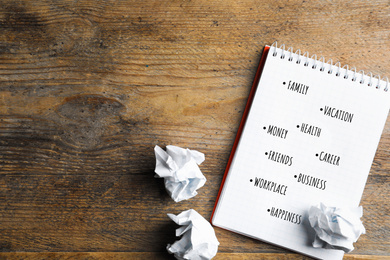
<point x="243" y="120"/>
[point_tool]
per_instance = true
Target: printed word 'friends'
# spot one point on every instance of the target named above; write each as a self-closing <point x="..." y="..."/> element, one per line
<point x="280" y="158"/>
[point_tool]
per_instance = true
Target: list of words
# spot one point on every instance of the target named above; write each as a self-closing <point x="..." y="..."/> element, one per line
<point x="310" y="131"/>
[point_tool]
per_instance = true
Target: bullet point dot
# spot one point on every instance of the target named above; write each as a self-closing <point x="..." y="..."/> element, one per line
<point x="268" y="210"/>
<point x="295" y="176"/>
<point x="297" y="126"/>
<point x="321" y="109"/>
<point x="317" y="154"/>
<point x="284" y="83"/>
<point x="250" y="180"/>
<point x="264" y="127"/>
<point x="266" y="153"/>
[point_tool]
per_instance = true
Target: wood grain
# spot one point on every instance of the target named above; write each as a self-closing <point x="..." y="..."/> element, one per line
<point x="151" y="256"/>
<point x="88" y="88"/>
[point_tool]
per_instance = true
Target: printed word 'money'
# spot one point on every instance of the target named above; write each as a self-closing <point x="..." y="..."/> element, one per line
<point x="277" y="131"/>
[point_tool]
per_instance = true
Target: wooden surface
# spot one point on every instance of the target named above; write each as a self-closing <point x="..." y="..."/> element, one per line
<point x="88" y="88"/>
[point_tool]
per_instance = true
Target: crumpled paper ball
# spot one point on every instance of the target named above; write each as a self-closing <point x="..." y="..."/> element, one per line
<point x="336" y="228"/>
<point x="179" y="168"/>
<point x="198" y="241"/>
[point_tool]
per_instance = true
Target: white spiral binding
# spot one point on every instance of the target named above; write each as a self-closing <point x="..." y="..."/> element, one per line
<point x="322" y="65"/>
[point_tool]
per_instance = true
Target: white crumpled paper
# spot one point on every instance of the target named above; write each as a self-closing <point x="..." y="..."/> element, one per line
<point x="198" y="241"/>
<point x="179" y="168"/>
<point x="336" y="228"/>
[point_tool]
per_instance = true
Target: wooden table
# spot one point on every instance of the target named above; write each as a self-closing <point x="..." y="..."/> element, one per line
<point x="88" y="88"/>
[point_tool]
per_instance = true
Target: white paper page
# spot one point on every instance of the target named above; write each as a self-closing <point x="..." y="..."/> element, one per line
<point x="309" y="137"/>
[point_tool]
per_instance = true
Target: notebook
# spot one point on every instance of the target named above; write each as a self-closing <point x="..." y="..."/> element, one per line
<point x="308" y="135"/>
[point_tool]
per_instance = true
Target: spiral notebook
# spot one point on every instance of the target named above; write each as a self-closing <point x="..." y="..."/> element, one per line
<point x="309" y="134"/>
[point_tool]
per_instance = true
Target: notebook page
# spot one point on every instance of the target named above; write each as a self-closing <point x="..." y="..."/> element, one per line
<point x="309" y="137"/>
